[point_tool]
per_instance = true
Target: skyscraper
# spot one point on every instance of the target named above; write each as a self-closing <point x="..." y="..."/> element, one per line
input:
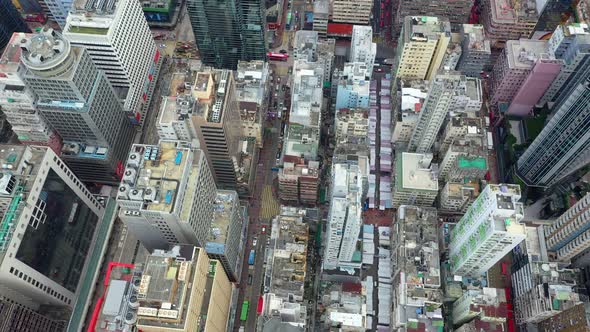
<point x="167" y="195"/>
<point x="48" y="224"/>
<point x="11" y="22"/>
<point x="456" y="11"/>
<point x="449" y="91"/>
<point x="80" y="104"/>
<point x="18" y="101"/>
<point x="218" y="124"/>
<point x="228" y="31"/>
<point x="59" y="10"/>
<point x="569" y="235"/>
<point x="120" y="43"/>
<point x="488" y="231"/>
<point x="476" y="50"/>
<point x="350" y="11"/>
<point x="344" y="217"/>
<point x="423" y="44"/>
<point x="563" y="146"/>
<point x="362" y="48"/>
<point x="571" y="44"/>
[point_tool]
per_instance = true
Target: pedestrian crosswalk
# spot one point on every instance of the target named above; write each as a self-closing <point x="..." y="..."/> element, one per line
<point x="270" y="206"/>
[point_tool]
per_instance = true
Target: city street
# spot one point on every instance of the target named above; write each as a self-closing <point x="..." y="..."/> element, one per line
<point x="262" y="208"/>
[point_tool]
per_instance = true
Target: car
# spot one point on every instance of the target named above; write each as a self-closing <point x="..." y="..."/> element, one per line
<point x="268" y="242"/>
<point x="283" y="87"/>
<point x="283" y="51"/>
<point x="249" y="279"/>
<point x="263" y="230"/>
<point x="254" y="242"/>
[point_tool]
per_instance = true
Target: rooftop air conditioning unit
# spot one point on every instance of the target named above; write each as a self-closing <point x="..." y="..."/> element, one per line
<point x="123" y="192"/>
<point x="149" y="194"/>
<point x="133" y="160"/>
<point x="129" y="176"/>
<point x="136" y="195"/>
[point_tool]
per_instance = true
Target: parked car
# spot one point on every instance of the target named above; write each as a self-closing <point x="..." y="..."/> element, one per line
<point x="263" y="230"/>
<point x="254" y="242"/>
<point x="283" y="51"/>
<point x="249" y="279"/>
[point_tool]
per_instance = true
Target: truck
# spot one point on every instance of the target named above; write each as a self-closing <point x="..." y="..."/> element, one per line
<point x="490" y="141"/>
<point x="251" y="257"/>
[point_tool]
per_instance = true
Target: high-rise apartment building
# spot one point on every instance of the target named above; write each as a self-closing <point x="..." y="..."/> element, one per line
<point x="506" y="20"/>
<point x="77" y="100"/>
<point x="218" y="124"/>
<point x="569" y="235"/>
<point x="416" y="180"/>
<point x="181" y="290"/>
<point x="48" y="226"/>
<point x="449" y="91"/>
<point x="456" y="12"/>
<point x="18" y="101"/>
<point x="353" y="86"/>
<point x="416" y="284"/>
<point x="458" y="127"/>
<point x="167" y="195"/>
<point x="489" y="304"/>
<point x="413" y="93"/>
<point x="466" y="158"/>
<point x="521" y="75"/>
<point x="120" y="43"/>
<point x="240" y="37"/>
<point x="553" y="13"/>
<point x="353" y="12"/>
<point x="571" y="44"/>
<point x="18" y="318"/>
<point x="307" y="95"/>
<point x="344" y="218"/>
<point x="252" y="85"/>
<point x="12" y="22"/>
<point x="563" y="146"/>
<point x="224" y="242"/>
<point x="476" y="55"/>
<point x="362" y="48"/>
<point x="352" y="126"/>
<point x="59" y="10"/>
<point x="458" y="196"/>
<point x="542" y="290"/>
<point x="423" y="44"/>
<point x="321" y="15"/>
<point x="299" y="180"/>
<point x="488" y="231"/>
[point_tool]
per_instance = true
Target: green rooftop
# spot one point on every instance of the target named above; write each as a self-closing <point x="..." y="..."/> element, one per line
<point x="478" y="162"/>
<point x="88" y="30"/>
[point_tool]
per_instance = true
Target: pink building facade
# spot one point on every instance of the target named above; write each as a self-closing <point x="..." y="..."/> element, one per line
<point x="522" y="74"/>
<point x="534" y="87"/>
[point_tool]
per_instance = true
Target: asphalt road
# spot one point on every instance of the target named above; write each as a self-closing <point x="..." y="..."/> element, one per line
<point x="264" y="184"/>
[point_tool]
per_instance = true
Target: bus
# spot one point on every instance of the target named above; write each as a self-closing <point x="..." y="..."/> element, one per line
<point x="288" y="23"/>
<point x="244" y="313"/>
<point x="251" y="257"/>
<point x="277" y="56"/>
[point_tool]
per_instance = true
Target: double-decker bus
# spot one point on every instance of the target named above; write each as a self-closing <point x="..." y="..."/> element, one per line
<point x="244" y="313"/>
<point x="288" y="22"/>
<point x="277" y="56"/>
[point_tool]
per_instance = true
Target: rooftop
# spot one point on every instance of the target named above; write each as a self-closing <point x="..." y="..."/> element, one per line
<point x="424" y="28"/>
<point x="289" y="255"/>
<point x="158" y="176"/>
<point x="321" y="7"/>
<point x="44" y="50"/>
<point x="164" y="292"/>
<point x="225" y="201"/>
<point x="474" y="35"/>
<point x="307" y="92"/>
<point x="460" y="190"/>
<point x="210" y="90"/>
<point x="10" y="59"/>
<point x="301" y="141"/>
<point x="296" y="166"/>
<point x="95" y="7"/>
<point x="251" y="81"/>
<point x="512" y="12"/>
<point x="524" y="53"/>
<point x="415" y="253"/>
<point x="415" y="171"/>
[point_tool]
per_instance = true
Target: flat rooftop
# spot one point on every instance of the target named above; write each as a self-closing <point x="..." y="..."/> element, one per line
<point x="10" y="59"/>
<point x="476" y="39"/>
<point x="156" y="174"/>
<point x="460" y="190"/>
<point x="222" y="213"/>
<point x="289" y="254"/>
<point x="416" y="253"/>
<point x="524" y="53"/>
<point x="301" y="140"/>
<point x="424" y="28"/>
<point x="307" y="98"/>
<point x="416" y="172"/>
<point x="512" y="12"/>
<point x="164" y="292"/>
